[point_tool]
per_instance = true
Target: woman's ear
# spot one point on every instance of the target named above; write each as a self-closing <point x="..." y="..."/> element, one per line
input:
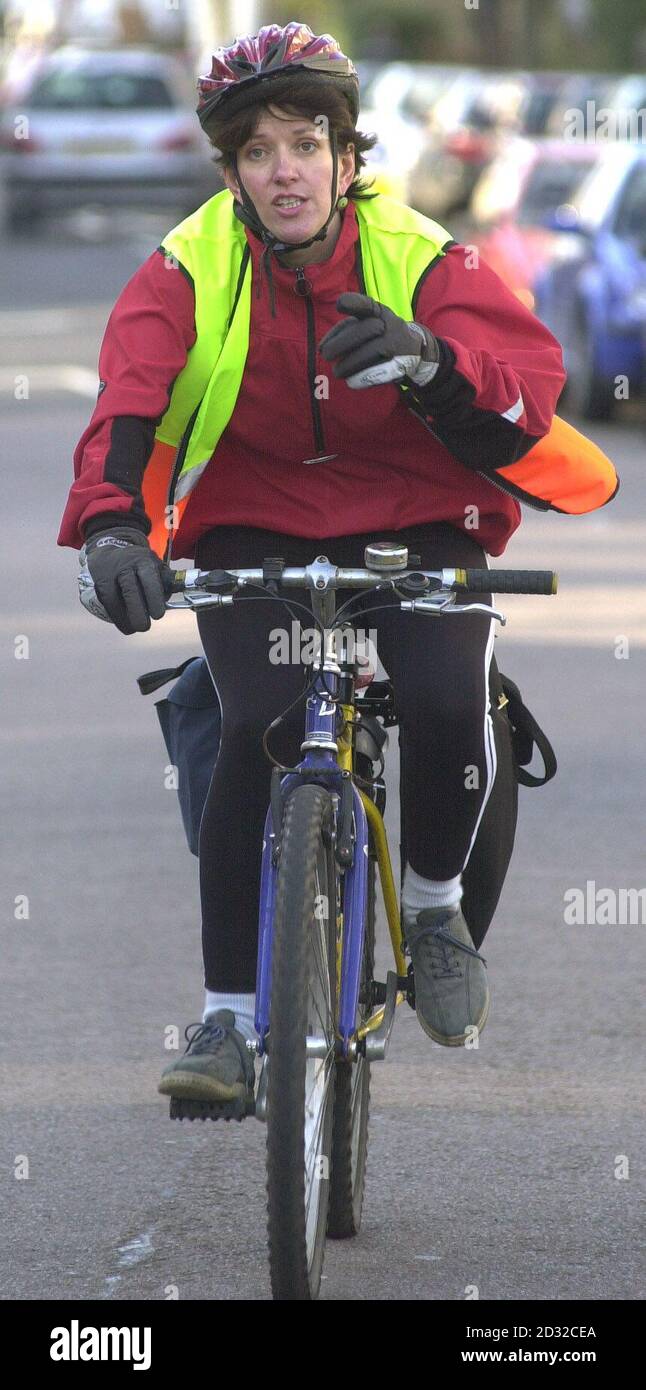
<point x="348" y="168"/>
<point x="232" y="184"/>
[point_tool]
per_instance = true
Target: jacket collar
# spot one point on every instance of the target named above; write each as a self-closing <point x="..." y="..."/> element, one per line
<point x="328" y="278"/>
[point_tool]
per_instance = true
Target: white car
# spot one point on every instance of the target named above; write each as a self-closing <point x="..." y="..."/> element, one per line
<point x="111" y="127"/>
<point x="395" y="105"/>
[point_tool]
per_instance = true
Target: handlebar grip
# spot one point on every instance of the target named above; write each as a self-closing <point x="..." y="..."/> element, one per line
<point x="506" y="581"/>
<point x="174" y="581"/>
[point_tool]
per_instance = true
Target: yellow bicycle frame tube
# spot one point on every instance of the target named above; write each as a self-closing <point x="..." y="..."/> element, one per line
<point x="379" y="839"/>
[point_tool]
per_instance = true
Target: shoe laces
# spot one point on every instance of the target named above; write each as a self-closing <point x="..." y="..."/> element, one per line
<point x="205" y="1036"/>
<point x="441" y="947"/>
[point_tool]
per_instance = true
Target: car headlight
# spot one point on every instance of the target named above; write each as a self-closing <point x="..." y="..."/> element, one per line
<point x="636" y="303"/>
<point x="568" y="247"/>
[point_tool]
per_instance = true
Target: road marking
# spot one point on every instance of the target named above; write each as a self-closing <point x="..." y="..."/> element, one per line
<point x="55" y="319"/>
<point x="80" y="381"/>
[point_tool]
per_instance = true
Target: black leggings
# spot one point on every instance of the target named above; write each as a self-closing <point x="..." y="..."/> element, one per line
<point x="439" y="669"/>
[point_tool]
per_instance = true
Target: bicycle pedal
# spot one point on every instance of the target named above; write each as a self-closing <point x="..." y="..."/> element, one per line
<point x="237" y="1109"/>
<point x="407" y="984"/>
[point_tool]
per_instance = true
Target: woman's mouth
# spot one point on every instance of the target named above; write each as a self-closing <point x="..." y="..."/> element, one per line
<point x="289" y="207"/>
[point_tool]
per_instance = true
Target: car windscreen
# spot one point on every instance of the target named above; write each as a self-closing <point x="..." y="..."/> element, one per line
<point x="78" y="90"/>
<point x="630" y="220"/>
<point x="550" y="183"/>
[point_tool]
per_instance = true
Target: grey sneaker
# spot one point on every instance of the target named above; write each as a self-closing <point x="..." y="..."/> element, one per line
<point x="451" y="990"/>
<point x="217" y="1064"/>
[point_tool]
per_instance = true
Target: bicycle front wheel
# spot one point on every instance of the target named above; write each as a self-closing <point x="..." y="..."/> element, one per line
<point x="352" y="1101"/>
<point x="300" y="1089"/>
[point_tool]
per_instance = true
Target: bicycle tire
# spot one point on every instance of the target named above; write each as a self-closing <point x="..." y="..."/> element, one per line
<point x="352" y="1103"/>
<point x="303" y="1000"/>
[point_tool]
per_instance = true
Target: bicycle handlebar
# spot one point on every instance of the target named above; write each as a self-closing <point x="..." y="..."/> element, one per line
<point x="320" y="577"/>
<point x="419" y="591"/>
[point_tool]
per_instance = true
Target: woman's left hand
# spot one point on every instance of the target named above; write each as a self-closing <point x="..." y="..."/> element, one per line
<point x="374" y="346"/>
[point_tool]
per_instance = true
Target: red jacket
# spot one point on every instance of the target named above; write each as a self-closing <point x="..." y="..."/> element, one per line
<point x="493" y="396"/>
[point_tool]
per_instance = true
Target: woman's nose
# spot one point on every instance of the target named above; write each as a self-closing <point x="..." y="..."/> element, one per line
<point x="285" y="165"/>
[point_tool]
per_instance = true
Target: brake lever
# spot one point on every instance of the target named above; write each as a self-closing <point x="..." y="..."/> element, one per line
<point x="426" y="605"/>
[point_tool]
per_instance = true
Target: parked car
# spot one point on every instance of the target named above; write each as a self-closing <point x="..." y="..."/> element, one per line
<point x="542" y="94"/>
<point x="529" y="183"/>
<point x="627" y="101"/>
<point x="395" y="105"/>
<point x="109" y="127"/>
<point x="582" y="96"/>
<point x="462" y="136"/>
<point x="593" y="293"/>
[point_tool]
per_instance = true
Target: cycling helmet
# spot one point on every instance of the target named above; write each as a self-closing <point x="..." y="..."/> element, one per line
<point x="241" y="75"/>
<point x="238" y="70"/>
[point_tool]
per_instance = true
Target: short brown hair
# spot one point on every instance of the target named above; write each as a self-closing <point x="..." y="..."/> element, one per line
<point x="305" y="94"/>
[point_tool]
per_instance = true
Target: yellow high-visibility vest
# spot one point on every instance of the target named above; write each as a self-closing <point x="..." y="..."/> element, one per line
<point x="398" y="245"/>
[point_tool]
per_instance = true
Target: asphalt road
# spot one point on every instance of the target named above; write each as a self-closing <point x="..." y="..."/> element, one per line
<point x="493" y="1169"/>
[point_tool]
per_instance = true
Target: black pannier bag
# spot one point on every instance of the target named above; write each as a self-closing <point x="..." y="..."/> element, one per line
<point x="190" y="723"/>
<point x="515" y="734"/>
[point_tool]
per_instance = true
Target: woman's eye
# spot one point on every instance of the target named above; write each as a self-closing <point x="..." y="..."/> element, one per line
<point x="258" y="150"/>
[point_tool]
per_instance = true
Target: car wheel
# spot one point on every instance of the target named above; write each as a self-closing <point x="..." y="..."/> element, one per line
<point x="589" y="394"/>
<point x="21" y="216"/>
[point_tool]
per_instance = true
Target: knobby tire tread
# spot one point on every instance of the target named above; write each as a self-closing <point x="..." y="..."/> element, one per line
<point x="344" y="1213"/>
<point x="306" y="813"/>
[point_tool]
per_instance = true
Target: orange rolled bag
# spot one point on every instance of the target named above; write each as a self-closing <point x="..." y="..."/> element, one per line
<point x="564" y="472"/>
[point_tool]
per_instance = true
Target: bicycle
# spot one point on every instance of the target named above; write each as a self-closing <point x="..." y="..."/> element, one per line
<point x="321" y="1017"/>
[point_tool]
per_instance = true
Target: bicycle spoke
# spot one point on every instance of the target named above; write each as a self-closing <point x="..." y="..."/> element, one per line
<point x="324" y="1062"/>
<point x="318" y="947"/>
<point x="314" y="1142"/>
<point x="322" y="1021"/>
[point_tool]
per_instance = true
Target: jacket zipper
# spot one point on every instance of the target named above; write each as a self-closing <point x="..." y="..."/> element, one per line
<point x="303" y="289"/>
<point x="537" y="503"/>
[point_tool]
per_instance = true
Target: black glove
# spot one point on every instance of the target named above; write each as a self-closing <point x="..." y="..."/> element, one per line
<point x="131" y="582"/>
<point x="375" y="346"/>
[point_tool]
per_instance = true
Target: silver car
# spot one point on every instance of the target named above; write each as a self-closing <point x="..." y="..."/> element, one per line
<point x="116" y="128"/>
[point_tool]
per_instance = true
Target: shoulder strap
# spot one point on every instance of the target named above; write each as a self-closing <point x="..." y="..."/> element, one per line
<point x="153" y="680"/>
<point x="530" y="734"/>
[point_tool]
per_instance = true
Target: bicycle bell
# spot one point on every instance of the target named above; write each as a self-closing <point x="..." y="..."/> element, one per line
<point x="386" y="556"/>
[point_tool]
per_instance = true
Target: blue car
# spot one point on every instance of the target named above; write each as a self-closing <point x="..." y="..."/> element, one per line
<point x="593" y="293"/>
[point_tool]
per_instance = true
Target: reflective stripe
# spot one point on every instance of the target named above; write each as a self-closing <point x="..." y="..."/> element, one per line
<point x="515" y="411"/>
<point x="489" y="736"/>
<point x="187" y="481"/>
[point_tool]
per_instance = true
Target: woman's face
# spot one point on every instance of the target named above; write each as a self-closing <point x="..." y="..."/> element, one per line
<point x="289" y="158"/>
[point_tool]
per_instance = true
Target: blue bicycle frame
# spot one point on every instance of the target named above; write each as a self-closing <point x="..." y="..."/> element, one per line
<point x="322" y="714"/>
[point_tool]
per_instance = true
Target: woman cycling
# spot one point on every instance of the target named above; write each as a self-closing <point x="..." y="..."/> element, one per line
<point x="314" y="416"/>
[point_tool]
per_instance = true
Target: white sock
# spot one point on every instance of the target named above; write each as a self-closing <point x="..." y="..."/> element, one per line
<point x="418" y="893"/>
<point x="242" y="1005"/>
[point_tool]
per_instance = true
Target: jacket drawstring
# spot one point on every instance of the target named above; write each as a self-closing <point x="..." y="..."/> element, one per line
<point x="265" y="263"/>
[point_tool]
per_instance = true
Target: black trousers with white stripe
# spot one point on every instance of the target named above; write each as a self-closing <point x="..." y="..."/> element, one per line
<point x="439" y="668"/>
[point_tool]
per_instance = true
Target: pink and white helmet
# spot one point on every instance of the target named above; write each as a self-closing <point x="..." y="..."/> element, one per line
<point x="238" y="69"/>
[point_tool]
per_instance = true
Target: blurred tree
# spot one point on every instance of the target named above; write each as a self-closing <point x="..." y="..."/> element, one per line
<point x="133" y="23"/>
<point x="618" y="32"/>
<point x="565" y="34"/>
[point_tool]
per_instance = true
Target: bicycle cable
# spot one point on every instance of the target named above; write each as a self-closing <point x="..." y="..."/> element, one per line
<point x="263" y="596"/>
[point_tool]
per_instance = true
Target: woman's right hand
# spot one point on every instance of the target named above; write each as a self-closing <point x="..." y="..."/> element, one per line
<point x="130" y="581"/>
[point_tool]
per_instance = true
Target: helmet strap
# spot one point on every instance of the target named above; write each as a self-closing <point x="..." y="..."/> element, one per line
<point x="247" y="213"/>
